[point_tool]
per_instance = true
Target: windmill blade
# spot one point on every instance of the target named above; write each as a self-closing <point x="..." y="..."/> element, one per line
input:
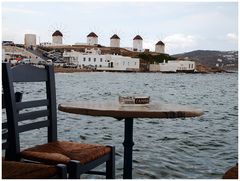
<point x="125" y="39"/>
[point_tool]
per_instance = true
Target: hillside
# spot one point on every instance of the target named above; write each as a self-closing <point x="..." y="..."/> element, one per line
<point x="147" y="56"/>
<point x="223" y="59"/>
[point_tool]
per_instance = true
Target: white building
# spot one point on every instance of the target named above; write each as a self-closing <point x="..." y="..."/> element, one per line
<point x="114" y="41"/>
<point x="57" y="38"/>
<point x="45" y="44"/>
<point x="92" y="39"/>
<point x="177" y="66"/>
<point x="30" y="40"/>
<point x="137" y="43"/>
<point x="3" y="54"/>
<point x="94" y="58"/>
<point x="154" y="68"/>
<point x="160" y="47"/>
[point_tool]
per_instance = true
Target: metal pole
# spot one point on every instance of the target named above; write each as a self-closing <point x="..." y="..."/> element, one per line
<point x="128" y="145"/>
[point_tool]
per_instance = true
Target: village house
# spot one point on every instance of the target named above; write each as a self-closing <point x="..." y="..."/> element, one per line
<point x="177" y="66"/>
<point x="93" y="58"/>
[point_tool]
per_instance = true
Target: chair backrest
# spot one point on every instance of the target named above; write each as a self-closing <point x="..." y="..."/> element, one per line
<point x="28" y="73"/>
<point x="5" y="142"/>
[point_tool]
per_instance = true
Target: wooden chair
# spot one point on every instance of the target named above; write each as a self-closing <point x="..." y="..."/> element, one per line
<point x="231" y="173"/>
<point x="80" y="158"/>
<point x="19" y="170"/>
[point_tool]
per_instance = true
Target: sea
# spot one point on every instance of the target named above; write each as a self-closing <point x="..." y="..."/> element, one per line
<point x="185" y="148"/>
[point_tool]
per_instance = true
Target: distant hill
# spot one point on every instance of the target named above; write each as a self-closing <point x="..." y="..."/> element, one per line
<point x="223" y="59"/>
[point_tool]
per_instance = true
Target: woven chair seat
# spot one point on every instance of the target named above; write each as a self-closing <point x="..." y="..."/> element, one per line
<point x="63" y="152"/>
<point x="18" y="170"/>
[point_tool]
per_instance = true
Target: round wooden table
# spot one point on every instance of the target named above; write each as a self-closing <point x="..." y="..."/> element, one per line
<point x="128" y="113"/>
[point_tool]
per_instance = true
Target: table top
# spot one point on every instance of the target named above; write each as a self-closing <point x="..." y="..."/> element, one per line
<point x="116" y="110"/>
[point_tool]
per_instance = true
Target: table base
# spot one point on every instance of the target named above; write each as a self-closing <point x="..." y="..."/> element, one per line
<point x="128" y="145"/>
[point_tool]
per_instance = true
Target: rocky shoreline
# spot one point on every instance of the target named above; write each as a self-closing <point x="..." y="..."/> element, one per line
<point x="204" y="69"/>
<point x="70" y="70"/>
<point x="199" y="67"/>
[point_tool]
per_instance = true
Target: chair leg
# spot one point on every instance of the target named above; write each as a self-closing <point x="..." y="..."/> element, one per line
<point x="62" y="171"/>
<point x="73" y="169"/>
<point x="110" y="165"/>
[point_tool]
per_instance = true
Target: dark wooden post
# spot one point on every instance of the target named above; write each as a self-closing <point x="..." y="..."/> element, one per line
<point x="51" y="96"/>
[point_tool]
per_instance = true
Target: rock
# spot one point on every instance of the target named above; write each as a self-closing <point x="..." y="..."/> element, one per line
<point x="204" y="69"/>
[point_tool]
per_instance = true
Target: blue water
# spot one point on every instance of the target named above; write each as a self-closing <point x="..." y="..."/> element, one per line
<point x="201" y="147"/>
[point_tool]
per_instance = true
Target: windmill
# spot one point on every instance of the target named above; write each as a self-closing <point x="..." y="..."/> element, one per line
<point x="59" y="27"/>
<point x="116" y="38"/>
<point x="139" y="38"/>
<point x="100" y="35"/>
<point x="159" y="44"/>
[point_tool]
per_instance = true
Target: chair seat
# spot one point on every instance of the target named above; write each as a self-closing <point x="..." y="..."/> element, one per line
<point x="232" y="173"/>
<point x="63" y="152"/>
<point x="18" y="170"/>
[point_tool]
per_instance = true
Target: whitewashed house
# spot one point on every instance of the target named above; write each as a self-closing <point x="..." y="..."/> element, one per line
<point x="92" y="39"/>
<point x="160" y="47"/>
<point x="3" y="54"/>
<point x="94" y="59"/>
<point x="177" y="66"/>
<point x="115" y="41"/>
<point x="137" y="43"/>
<point x="121" y="63"/>
<point x="57" y="37"/>
<point x="154" y="68"/>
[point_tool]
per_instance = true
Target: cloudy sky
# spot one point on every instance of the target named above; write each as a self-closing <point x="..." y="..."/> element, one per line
<point x="181" y="26"/>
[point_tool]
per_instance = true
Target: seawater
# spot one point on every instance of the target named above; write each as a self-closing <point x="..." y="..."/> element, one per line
<point x="198" y="148"/>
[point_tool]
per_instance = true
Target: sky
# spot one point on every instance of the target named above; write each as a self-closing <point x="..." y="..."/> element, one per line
<point x="182" y="26"/>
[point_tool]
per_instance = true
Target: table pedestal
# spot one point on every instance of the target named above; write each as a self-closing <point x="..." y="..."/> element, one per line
<point x="128" y="145"/>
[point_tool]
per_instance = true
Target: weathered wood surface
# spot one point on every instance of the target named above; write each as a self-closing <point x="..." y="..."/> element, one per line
<point x="114" y="109"/>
